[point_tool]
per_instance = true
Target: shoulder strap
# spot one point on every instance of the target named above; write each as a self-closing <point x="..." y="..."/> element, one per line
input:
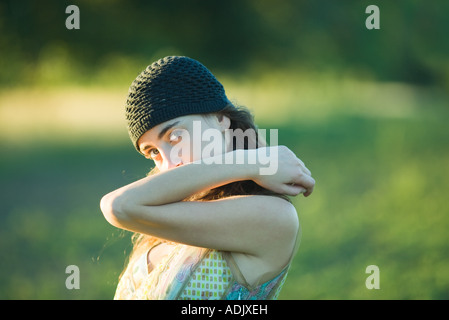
<point x="236" y="272"/>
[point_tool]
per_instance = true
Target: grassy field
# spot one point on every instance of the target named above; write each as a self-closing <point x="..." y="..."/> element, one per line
<point x="379" y="154"/>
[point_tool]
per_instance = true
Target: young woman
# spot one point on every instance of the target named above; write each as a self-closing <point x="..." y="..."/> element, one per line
<point x="209" y="223"/>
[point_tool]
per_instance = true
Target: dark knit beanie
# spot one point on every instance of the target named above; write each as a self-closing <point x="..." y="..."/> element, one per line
<point x="169" y="88"/>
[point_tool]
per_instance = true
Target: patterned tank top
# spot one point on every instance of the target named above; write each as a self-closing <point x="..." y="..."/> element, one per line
<point x="193" y="273"/>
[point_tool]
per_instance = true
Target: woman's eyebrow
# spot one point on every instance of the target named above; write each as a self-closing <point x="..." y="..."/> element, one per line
<point x="142" y="150"/>
<point x="166" y="128"/>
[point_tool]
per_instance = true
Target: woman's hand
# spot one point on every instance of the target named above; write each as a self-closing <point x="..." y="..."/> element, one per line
<point x="291" y="177"/>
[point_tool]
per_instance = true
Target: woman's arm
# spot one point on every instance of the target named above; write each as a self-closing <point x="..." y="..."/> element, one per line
<point x="153" y="205"/>
<point x="180" y="182"/>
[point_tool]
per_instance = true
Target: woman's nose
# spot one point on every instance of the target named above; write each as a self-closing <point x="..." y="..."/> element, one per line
<point x="169" y="162"/>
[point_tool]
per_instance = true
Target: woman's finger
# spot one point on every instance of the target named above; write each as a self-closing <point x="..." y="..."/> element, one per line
<point x="304" y="184"/>
<point x="304" y="167"/>
<point x="294" y="189"/>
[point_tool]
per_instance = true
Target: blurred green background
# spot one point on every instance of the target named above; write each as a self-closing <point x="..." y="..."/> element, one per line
<point x="366" y="110"/>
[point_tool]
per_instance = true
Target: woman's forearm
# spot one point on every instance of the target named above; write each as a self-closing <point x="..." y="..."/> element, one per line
<point x="178" y="183"/>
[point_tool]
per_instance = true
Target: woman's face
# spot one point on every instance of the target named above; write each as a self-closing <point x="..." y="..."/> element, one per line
<point x="184" y="139"/>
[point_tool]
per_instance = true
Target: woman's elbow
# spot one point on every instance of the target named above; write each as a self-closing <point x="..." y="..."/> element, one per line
<point x="111" y="206"/>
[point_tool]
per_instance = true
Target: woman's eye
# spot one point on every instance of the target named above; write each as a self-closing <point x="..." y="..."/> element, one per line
<point x="153" y="153"/>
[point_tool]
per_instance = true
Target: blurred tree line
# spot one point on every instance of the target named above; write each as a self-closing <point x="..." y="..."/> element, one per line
<point x="232" y="36"/>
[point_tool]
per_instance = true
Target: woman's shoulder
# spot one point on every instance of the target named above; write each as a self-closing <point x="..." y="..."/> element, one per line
<point x="279" y="211"/>
<point x="268" y="217"/>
